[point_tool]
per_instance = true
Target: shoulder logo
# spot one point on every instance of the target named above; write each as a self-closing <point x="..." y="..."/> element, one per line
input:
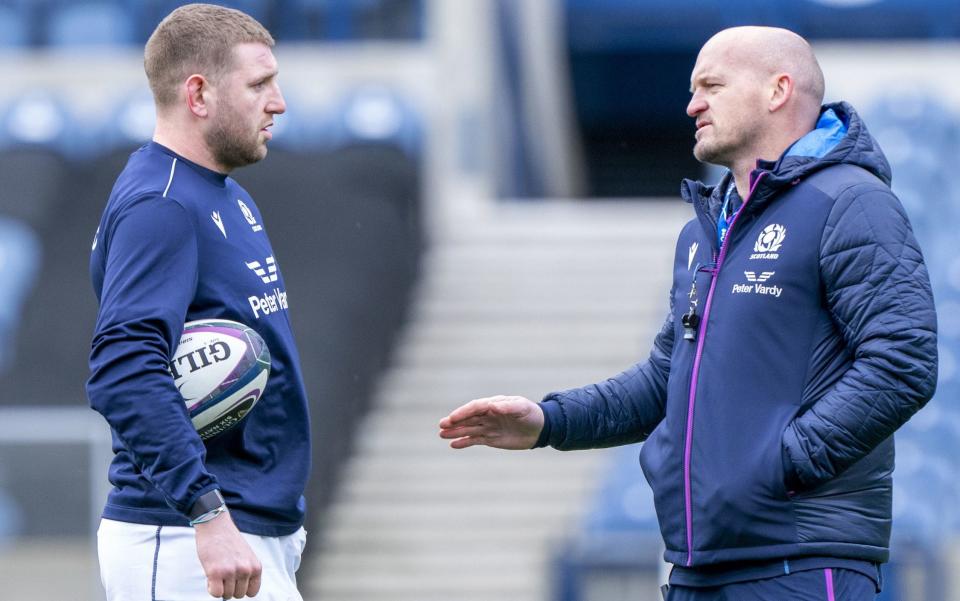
<point x="95" y="237"/>
<point x="691" y="254"/>
<point x="218" y="222"/>
<point x="268" y="272"/>
<point x="248" y="215"/>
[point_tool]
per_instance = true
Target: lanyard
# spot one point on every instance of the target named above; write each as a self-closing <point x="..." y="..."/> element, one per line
<point x="723" y="220"/>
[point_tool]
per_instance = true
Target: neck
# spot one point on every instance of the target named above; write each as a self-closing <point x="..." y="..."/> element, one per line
<point x="769" y="150"/>
<point x="187" y="145"/>
<point x="741" y="177"/>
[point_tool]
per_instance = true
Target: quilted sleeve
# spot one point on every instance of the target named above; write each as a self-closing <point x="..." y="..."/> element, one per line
<point x="878" y="292"/>
<point x="620" y="410"/>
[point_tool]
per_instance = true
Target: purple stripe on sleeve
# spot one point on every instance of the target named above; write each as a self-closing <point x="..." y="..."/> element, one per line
<point x="828" y="575"/>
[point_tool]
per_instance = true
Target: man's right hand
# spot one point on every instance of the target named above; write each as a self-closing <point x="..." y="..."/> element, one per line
<point x="503" y="422"/>
<point x="232" y="569"/>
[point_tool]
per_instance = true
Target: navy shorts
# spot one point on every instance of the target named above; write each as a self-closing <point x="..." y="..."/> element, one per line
<point x="810" y="585"/>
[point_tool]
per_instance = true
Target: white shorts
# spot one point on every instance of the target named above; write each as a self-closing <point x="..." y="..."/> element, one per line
<point x="139" y="562"/>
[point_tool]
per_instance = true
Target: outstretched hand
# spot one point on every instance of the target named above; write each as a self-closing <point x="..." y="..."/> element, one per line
<point x="503" y="422"/>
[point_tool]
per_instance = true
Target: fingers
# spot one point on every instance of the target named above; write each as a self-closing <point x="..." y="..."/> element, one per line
<point x="215" y="587"/>
<point x="460" y="432"/>
<point x="474" y="408"/>
<point x="229" y="588"/>
<point x="468" y="441"/>
<point x="254" y="587"/>
<point x="243" y="581"/>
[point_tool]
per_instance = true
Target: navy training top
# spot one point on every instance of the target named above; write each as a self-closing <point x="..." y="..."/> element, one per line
<point x="178" y="242"/>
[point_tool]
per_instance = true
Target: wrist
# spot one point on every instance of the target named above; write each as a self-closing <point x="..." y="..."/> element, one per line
<point x="207" y="507"/>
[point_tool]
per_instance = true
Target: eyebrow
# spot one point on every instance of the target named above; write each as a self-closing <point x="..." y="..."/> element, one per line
<point x="703" y="77"/>
<point x="266" y="76"/>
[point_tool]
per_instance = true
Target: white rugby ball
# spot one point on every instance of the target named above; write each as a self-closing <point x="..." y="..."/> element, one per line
<point x="220" y="368"/>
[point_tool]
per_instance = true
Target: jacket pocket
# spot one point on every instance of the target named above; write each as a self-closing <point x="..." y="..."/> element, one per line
<point x="661" y="462"/>
<point x="739" y="491"/>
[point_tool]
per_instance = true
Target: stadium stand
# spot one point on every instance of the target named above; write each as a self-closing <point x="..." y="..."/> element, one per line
<point x="922" y="138"/>
<point x="103" y="23"/>
<point x="14" y="28"/>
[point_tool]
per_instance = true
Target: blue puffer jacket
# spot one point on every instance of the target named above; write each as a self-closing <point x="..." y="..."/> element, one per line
<point x="769" y="434"/>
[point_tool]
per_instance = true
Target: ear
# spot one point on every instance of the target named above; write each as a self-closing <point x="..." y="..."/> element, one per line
<point x="781" y="91"/>
<point x="198" y="95"/>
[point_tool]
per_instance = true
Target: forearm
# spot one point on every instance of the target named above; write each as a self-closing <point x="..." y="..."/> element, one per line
<point x="131" y="387"/>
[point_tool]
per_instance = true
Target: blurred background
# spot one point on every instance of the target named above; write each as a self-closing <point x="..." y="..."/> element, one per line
<point x="467" y="197"/>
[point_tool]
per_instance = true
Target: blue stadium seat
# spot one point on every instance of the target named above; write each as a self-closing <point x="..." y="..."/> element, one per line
<point x="36" y="118"/>
<point x="14" y="27"/>
<point x="377" y="115"/>
<point x="304" y="127"/>
<point x="350" y="20"/>
<point x="146" y="14"/>
<point x="94" y="23"/>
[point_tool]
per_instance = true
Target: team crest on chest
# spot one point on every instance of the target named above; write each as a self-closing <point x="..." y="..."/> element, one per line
<point x="248" y="215"/>
<point x="769" y="242"/>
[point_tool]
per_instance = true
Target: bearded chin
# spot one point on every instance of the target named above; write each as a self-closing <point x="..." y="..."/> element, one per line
<point x="230" y="149"/>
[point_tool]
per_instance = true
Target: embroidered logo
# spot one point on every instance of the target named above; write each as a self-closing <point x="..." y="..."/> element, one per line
<point x="763" y="277"/>
<point x="269" y="302"/>
<point x="248" y="215"/>
<point x="219" y="222"/>
<point x="692" y="254"/>
<point x="757" y="285"/>
<point x="267" y="273"/>
<point x="769" y="242"/>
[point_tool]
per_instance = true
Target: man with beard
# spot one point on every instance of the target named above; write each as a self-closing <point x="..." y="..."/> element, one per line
<point x="179" y="240"/>
<point x="801" y="334"/>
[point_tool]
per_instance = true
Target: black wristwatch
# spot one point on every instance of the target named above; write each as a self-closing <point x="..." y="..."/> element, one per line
<point x="206" y="503"/>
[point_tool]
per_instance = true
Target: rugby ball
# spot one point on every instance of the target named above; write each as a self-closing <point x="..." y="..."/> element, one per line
<point x="220" y="368"/>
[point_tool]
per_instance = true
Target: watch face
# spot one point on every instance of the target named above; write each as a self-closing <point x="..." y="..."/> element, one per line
<point x="206" y="503"/>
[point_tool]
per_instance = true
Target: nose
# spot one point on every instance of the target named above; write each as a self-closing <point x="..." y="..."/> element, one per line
<point x="696" y="105"/>
<point x="277" y="105"/>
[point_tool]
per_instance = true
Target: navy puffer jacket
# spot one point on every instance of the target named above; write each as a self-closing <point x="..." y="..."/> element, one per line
<point x="769" y="433"/>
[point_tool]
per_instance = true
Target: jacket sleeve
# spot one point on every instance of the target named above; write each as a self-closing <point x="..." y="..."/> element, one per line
<point x="149" y="281"/>
<point x="878" y="292"/>
<point x="620" y="410"/>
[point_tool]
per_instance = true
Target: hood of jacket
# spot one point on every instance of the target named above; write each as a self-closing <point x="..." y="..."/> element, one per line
<point x="839" y="137"/>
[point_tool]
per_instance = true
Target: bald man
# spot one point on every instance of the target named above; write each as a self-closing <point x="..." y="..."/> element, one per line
<point x="801" y="334"/>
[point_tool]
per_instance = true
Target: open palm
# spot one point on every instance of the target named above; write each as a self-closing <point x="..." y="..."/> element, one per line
<point x="503" y="422"/>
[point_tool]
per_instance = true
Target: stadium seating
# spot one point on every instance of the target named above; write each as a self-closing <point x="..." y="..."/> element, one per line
<point x="353" y="20"/>
<point x="14" y="27"/>
<point x="374" y="114"/>
<point x="148" y="13"/>
<point x="99" y="23"/>
<point x="922" y="139"/>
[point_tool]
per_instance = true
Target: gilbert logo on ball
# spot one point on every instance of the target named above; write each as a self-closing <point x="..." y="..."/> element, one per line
<point x="220" y="368"/>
